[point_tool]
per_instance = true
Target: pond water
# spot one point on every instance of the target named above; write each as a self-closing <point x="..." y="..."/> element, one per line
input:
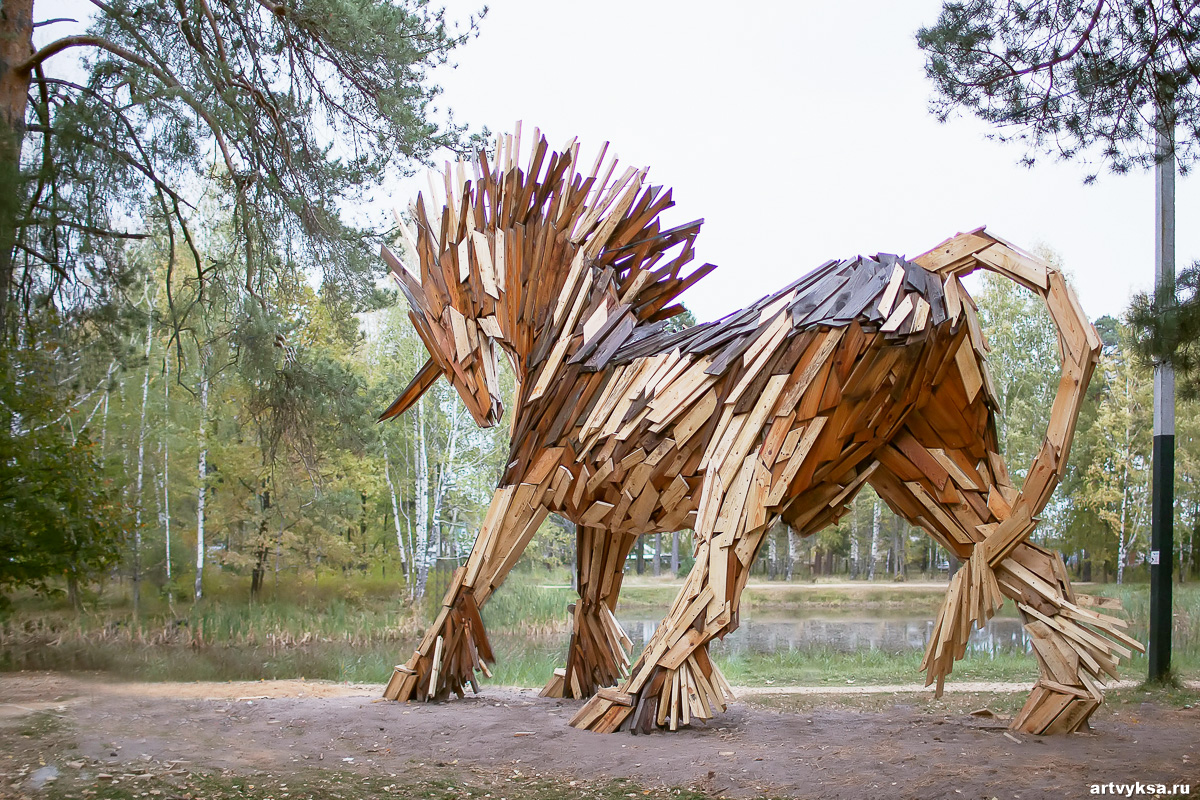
<point x="767" y="632"/>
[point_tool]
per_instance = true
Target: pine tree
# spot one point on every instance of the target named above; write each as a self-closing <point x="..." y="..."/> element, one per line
<point x="294" y="107"/>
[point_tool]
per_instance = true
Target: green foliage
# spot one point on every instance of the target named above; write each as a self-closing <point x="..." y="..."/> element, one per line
<point x="1024" y="364"/>
<point x="682" y="321"/>
<point x="1073" y="79"/>
<point x="1166" y="329"/>
<point x="56" y="518"/>
<point x="1117" y="442"/>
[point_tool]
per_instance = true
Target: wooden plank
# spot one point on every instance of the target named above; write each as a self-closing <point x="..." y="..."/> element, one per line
<point x="952" y="250"/>
<point x="780" y="486"/>
<point x="615" y="696"/>
<point x="920" y="315"/>
<point x="892" y="292"/>
<point x="899" y="315"/>
<point x="968" y="369"/>
<point x="922" y="459"/>
<point x="815" y="359"/>
<point x="952" y="291"/>
<point x="1017" y="266"/>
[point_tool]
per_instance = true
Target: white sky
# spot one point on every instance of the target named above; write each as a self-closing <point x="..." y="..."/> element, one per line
<point x="800" y="132"/>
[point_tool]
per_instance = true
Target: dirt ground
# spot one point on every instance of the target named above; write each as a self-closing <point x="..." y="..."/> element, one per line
<point x="750" y="751"/>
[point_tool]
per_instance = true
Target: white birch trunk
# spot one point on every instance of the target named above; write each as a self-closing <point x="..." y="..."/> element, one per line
<point x="772" y="555"/>
<point x="1123" y="542"/>
<point x="855" y="547"/>
<point x="202" y="435"/>
<point x="876" y="513"/>
<point x="421" y="554"/>
<point x="445" y="473"/>
<point x="104" y="416"/>
<point x="791" y="552"/>
<point x="387" y="473"/>
<point x="166" y="471"/>
<point x="141" y="470"/>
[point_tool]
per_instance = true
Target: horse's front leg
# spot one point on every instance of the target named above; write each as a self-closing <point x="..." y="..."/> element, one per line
<point x="673" y="680"/>
<point x="456" y="646"/>
<point x="598" y="655"/>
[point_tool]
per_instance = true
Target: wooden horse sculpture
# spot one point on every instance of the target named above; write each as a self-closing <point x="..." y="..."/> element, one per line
<point x="868" y="370"/>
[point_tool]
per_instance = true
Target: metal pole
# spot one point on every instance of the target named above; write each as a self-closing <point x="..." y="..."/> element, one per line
<point x="1162" y="500"/>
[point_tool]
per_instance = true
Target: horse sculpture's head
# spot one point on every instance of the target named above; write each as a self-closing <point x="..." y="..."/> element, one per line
<point x="462" y="346"/>
<point x="540" y="260"/>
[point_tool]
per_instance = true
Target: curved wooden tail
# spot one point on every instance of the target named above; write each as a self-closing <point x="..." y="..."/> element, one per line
<point x="1076" y="646"/>
<point x="1079" y="346"/>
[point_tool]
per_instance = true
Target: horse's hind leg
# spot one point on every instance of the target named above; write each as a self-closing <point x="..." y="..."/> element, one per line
<point x="1070" y="667"/>
<point x="1077" y="646"/>
<point x="598" y="655"/>
<point x="455" y="646"/>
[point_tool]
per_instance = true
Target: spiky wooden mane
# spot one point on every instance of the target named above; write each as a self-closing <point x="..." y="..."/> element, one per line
<point x="523" y="246"/>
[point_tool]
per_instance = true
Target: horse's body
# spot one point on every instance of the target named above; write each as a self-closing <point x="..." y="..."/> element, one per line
<point x="864" y="371"/>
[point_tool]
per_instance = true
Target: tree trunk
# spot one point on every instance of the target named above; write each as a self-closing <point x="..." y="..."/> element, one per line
<point x="1125" y="541"/>
<point x="167" y="457"/>
<point x="73" y="591"/>
<point x="446" y="467"/>
<point x="104" y="417"/>
<point x="657" y="554"/>
<point x="202" y="436"/>
<point x="141" y="466"/>
<point x="876" y="514"/>
<point x="675" y="553"/>
<point x="262" y="547"/>
<point x="16" y="45"/>
<point x="387" y="474"/>
<point x="422" y="554"/>
<point x="855" y="554"/>
<point x="791" y="552"/>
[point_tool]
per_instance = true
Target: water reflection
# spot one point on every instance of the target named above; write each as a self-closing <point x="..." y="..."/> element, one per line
<point x="765" y="634"/>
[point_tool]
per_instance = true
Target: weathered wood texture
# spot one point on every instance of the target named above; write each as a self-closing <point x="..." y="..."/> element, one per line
<point x="866" y="370"/>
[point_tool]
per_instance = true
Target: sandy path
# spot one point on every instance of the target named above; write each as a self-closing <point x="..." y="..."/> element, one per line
<point x="747" y="752"/>
<point x="33" y="689"/>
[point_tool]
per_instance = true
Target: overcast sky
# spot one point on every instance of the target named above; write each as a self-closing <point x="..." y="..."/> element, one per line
<point x="799" y="132"/>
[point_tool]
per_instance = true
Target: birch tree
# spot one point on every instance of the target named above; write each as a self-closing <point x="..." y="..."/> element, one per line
<point x="139" y="499"/>
<point x="1117" y="480"/>
<point x="202" y="473"/>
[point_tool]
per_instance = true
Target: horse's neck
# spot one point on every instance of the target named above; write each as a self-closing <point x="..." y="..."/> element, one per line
<point x="550" y="383"/>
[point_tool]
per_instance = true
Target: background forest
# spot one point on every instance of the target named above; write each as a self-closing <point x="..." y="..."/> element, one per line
<point x="241" y="456"/>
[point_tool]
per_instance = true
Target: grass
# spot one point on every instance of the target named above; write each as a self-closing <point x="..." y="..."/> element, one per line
<point x="340" y="631"/>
